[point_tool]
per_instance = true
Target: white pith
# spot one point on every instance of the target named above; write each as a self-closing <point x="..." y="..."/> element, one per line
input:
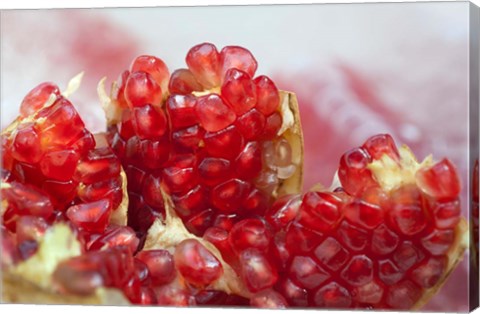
<point x="391" y="174"/>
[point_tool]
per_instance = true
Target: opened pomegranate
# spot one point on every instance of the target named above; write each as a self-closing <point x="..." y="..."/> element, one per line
<point x="212" y="135"/>
<point x="212" y="157"/>
<point x="52" y="171"/>
<point x="384" y="239"/>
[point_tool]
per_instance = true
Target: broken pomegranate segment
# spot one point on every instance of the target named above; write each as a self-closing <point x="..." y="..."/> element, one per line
<point x="54" y="171"/>
<point x="386" y="238"/>
<point x="219" y="143"/>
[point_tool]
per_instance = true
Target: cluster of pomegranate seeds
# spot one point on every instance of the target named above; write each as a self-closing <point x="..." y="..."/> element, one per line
<point x="209" y="136"/>
<point x="53" y="171"/>
<point x="141" y="138"/>
<point x="149" y="277"/>
<point x="361" y="246"/>
<point x="212" y="144"/>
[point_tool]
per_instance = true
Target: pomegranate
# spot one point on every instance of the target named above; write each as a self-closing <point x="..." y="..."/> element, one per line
<point x="55" y="170"/>
<point x="220" y="141"/>
<point x="213" y="156"/>
<point x="385" y="238"/>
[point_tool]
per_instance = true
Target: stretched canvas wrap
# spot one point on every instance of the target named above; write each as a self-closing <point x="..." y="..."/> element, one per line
<point x="318" y="156"/>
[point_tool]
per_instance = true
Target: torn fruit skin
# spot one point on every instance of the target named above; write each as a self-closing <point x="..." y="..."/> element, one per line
<point x="232" y="278"/>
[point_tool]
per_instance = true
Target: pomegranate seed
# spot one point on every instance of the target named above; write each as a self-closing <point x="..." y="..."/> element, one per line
<point x="439" y="241"/>
<point x="142" y="272"/>
<point x="59" y="165"/>
<point x="213" y="170"/>
<point x="388" y="272"/>
<point x="250" y="233"/>
<point x="359" y="271"/>
<point x="213" y="114"/>
<point x="190" y="202"/>
<point x="78" y="276"/>
<point x="366" y="215"/>
<point x="407" y="212"/>
<point x="268" y="98"/>
<point x="284" y="210"/>
<point x="27" y="200"/>
<point x="26" y="144"/>
<point x="273" y="123"/>
<point x="403" y="295"/>
<point x="353" y="172"/>
<point x="154" y="153"/>
<point x="294" y="294"/>
<point x="370" y="293"/>
<point x="153" y="66"/>
<point x="407" y="255"/>
<point x="380" y="145"/>
<point x="198" y="223"/>
<point x="30" y="228"/>
<point x="141" y="89"/>
<point x="447" y="214"/>
<point x="160" y="265"/>
<point x="439" y="181"/>
<point x="251" y="123"/>
<point x="189" y="138"/>
<point x="429" y="272"/>
<point x="228" y="196"/>
<point x="197" y="265"/>
<point x="332" y="296"/>
<point x="37" y="97"/>
<point x="238" y="91"/>
<point x="85" y="143"/>
<point x="300" y="239"/>
<point x="234" y="57"/>
<point x="92" y="217"/>
<point x="354" y="238"/>
<point x="332" y="254"/>
<point x="151" y="191"/>
<point x="268" y="299"/>
<point x="148" y="122"/>
<point x="307" y="273"/>
<point x="183" y="82"/>
<point x="256" y="203"/>
<point x="181" y="111"/>
<point x="204" y="62"/>
<point x="100" y="164"/>
<point x="226" y="143"/>
<point x="384" y="241"/>
<point x="256" y="271"/>
<point x="27" y="173"/>
<point x="61" y="193"/>
<point x="179" y="179"/>
<point x="219" y="237"/>
<point x="104" y="189"/>
<point x="61" y="125"/>
<point x="170" y="295"/>
<point x="125" y="127"/>
<point x="116" y="236"/>
<point x="319" y="211"/>
<point x="135" y="177"/>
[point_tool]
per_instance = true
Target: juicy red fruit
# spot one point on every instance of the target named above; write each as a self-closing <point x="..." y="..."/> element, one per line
<point x="216" y="112"/>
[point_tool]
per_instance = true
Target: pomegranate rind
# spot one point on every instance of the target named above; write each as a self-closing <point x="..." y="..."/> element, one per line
<point x="169" y="233"/>
<point x="291" y="130"/>
<point x="455" y="255"/>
